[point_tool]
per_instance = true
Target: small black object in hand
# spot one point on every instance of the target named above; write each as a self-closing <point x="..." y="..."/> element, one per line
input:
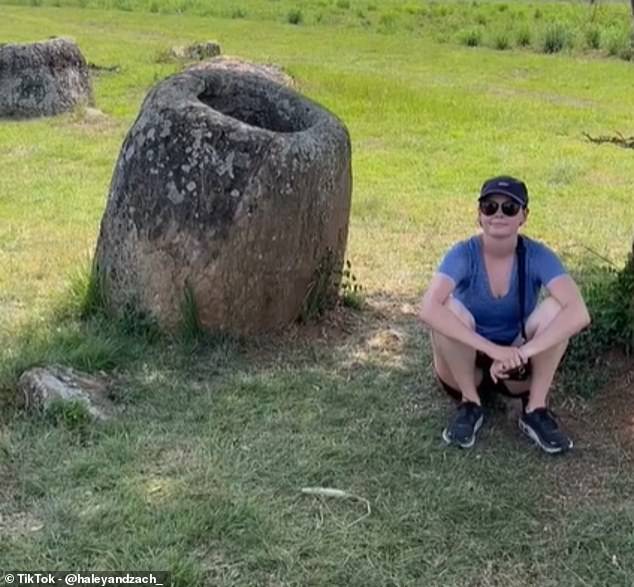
<point x="520" y="373"/>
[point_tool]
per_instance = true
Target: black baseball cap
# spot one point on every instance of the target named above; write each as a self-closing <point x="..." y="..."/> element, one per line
<point x="505" y="185"/>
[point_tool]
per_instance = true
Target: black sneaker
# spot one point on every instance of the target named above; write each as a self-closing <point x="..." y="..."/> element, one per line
<point x="464" y="426"/>
<point x="540" y="426"/>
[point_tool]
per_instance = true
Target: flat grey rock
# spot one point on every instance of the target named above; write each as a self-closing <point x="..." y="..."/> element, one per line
<point x="41" y="386"/>
<point x="197" y="51"/>
<point x="267" y="70"/>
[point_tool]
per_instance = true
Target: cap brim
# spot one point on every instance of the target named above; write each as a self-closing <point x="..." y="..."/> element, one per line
<point x="499" y="192"/>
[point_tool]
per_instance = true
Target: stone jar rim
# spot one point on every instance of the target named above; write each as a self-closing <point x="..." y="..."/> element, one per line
<point x="266" y="106"/>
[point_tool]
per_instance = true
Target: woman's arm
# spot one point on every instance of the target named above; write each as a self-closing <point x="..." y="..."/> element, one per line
<point x="572" y="318"/>
<point x="438" y="317"/>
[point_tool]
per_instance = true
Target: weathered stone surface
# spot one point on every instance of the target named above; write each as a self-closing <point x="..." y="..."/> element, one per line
<point x="197" y="51"/>
<point x="42" y="79"/>
<point x="272" y="72"/>
<point x="41" y="386"/>
<point x="231" y="188"/>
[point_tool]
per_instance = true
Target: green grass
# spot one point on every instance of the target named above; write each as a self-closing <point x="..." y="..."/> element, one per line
<point x="451" y="20"/>
<point x="201" y="472"/>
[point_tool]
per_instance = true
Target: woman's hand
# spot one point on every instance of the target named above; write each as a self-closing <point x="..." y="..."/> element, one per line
<point x="497" y="371"/>
<point x="509" y="357"/>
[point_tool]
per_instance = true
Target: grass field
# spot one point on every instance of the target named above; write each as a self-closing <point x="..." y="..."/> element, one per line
<point x="201" y="472"/>
<point x="550" y="26"/>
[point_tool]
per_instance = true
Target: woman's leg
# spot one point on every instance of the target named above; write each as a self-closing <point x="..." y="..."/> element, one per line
<point x="544" y="365"/>
<point x="455" y="362"/>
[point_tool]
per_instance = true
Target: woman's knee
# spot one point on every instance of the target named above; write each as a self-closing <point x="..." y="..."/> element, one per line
<point x="542" y="315"/>
<point x="458" y="308"/>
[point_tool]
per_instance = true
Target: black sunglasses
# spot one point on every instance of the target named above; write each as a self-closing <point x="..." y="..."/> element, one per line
<point x="490" y="207"/>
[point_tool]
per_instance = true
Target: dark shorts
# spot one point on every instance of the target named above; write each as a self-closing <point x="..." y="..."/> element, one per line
<point x="487" y="385"/>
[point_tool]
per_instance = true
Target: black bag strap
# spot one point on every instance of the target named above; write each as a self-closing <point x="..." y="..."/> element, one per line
<point x="521" y="276"/>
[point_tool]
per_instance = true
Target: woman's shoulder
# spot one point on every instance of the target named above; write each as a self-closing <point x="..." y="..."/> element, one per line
<point x="543" y="261"/>
<point x="462" y="252"/>
<point x="458" y="262"/>
<point x="468" y="244"/>
<point x="537" y="248"/>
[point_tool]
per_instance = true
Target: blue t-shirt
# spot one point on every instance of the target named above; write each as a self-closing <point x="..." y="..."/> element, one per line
<point x="498" y="319"/>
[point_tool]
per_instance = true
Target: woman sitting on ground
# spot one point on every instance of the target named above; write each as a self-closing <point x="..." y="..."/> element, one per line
<point x="477" y="315"/>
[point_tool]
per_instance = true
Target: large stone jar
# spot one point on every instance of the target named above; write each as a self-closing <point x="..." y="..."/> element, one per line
<point x="231" y="193"/>
<point x="42" y="79"/>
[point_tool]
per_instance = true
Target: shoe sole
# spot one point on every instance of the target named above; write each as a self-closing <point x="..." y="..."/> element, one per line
<point x="471" y="442"/>
<point x="528" y="431"/>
